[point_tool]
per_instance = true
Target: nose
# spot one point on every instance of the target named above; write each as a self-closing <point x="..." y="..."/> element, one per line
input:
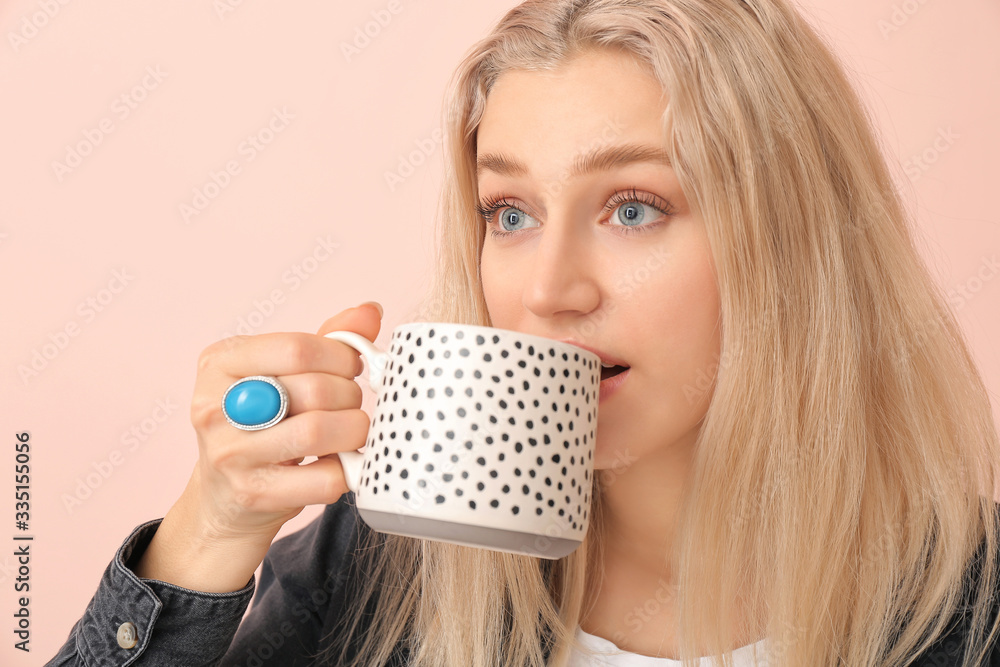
<point x="563" y="277"/>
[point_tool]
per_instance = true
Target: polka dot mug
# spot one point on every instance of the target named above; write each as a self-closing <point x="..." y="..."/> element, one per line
<point x="480" y="436"/>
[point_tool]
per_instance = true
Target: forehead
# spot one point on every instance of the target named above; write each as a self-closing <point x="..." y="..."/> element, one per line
<point x="597" y="96"/>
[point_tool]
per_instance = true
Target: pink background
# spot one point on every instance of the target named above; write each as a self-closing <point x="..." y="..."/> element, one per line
<point x="930" y="79"/>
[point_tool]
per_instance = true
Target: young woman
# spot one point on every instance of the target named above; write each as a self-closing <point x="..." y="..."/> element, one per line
<point x="798" y="467"/>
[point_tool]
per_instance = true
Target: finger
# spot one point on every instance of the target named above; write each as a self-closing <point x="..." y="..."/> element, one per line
<point x="286" y="353"/>
<point x="306" y="392"/>
<point x="320" y="391"/>
<point x="365" y="320"/>
<point x="313" y="433"/>
<point x="282" y="354"/>
<point x="281" y="488"/>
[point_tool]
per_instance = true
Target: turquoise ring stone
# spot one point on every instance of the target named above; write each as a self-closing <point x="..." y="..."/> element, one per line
<point x="255" y="402"/>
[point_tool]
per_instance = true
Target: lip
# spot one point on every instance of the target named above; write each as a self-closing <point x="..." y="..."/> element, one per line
<point x="611" y="385"/>
<point x="605" y="358"/>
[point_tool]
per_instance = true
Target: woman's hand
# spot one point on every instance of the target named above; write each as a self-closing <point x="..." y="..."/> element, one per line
<point x="247" y="484"/>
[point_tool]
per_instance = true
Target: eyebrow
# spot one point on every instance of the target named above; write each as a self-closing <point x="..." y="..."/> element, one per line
<point x="599" y="159"/>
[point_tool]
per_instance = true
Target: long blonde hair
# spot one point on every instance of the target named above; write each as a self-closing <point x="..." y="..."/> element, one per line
<point x="846" y="468"/>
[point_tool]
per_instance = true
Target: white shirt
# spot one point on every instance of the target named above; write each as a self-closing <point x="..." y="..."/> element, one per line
<point x="752" y="655"/>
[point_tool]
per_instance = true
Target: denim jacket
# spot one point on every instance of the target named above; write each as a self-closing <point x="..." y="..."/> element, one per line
<point x="304" y="588"/>
<point x="300" y="598"/>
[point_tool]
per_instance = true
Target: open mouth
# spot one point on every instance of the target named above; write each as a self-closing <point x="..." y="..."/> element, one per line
<point x="611" y="371"/>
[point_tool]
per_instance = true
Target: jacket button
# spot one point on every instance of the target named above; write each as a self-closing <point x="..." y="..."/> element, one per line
<point x="127" y="636"/>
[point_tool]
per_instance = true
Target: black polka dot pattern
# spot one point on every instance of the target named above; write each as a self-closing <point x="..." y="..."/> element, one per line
<point x="481" y="425"/>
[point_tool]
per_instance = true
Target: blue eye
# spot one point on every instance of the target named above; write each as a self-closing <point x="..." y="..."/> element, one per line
<point x="632" y="213"/>
<point x="512" y="219"/>
<point x="629" y="210"/>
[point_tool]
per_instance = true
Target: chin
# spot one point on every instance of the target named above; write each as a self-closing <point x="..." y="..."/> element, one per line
<point x="614" y="460"/>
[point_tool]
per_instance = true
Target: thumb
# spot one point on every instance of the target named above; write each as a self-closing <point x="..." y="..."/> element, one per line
<point x="365" y="320"/>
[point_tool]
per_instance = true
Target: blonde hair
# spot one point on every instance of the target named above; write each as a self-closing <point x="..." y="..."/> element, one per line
<point x="849" y="431"/>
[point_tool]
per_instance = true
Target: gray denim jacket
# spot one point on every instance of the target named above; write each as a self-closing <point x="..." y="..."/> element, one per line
<point x="305" y="584"/>
<point x="301" y="595"/>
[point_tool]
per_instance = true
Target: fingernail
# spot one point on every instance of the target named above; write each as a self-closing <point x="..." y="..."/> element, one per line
<point x="376" y="304"/>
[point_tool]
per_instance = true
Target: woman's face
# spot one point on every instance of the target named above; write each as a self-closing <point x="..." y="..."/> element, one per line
<point x="609" y="257"/>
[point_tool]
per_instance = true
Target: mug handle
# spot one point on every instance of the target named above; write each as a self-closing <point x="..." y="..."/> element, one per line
<point x="376" y="360"/>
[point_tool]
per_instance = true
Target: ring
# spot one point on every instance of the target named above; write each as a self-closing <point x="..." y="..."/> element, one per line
<point x="255" y="402"/>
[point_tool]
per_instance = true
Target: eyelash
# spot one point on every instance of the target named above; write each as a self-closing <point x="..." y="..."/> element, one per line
<point x="488" y="208"/>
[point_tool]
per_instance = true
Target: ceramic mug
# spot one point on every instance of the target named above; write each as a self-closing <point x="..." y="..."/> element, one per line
<point x="480" y="436"/>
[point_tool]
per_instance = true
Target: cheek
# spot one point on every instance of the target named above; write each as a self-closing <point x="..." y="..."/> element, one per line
<point x="499" y="287"/>
<point x="685" y="331"/>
